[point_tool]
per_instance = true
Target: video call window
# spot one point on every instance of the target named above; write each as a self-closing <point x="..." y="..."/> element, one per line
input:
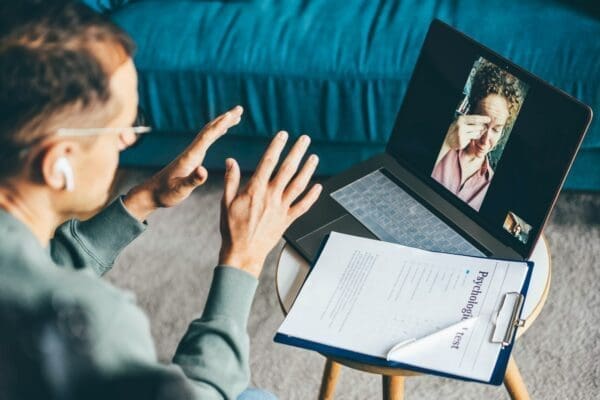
<point x="517" y="227"/>
<point x="473" y="145"/>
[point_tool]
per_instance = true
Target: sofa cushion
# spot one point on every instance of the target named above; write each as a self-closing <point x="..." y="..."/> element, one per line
<point x="334" y="68"/>
<point x="105" y="5"/>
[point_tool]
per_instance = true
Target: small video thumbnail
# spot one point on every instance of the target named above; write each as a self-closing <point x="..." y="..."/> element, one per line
<point x="517" y="227"/>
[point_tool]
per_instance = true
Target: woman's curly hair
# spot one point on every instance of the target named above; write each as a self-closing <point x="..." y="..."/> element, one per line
<point x="491" y="79"/>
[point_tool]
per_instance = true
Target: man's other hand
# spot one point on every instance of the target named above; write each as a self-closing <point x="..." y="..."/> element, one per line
<point x="176" y="181"/>
<point x="254" y="218"/>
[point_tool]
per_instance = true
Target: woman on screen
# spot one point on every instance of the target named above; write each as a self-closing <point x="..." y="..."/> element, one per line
<point x="463" y="165"/>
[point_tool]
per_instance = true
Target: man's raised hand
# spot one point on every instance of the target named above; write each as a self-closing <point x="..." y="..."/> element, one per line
<point x="254" y="218"/>
<point x="174" y="183"/>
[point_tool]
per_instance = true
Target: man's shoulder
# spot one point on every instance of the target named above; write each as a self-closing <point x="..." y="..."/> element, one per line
<point x="120" y="330"/>
<point x="32" y="281"/>
<point x="33" y="278"/>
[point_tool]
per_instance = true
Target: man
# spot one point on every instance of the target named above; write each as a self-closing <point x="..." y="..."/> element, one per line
<point x="68" y="97"/>
<point x="462" y="165"/>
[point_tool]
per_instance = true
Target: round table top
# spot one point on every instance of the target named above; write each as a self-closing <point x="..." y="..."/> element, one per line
<point x="292" y="270"/>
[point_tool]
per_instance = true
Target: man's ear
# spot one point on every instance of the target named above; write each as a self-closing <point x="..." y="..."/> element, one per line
<point x="52" y="173"/>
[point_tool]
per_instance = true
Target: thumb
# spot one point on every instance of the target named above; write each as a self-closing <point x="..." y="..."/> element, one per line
<point x="196" y="178"/>
<point x="232" y="181"/>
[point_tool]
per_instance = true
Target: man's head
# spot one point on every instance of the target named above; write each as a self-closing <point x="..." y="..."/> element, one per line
<point x="494" y="93"/>
<point x="63" y="66"/>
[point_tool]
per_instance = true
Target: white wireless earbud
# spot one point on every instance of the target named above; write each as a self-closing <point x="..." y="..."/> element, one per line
<point x="62" y="166"/>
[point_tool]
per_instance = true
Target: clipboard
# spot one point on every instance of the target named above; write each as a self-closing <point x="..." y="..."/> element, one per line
<point x="507" y="321"/>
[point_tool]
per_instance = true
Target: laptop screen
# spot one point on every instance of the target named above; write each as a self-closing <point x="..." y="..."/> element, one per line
<point x="491" y="138"/>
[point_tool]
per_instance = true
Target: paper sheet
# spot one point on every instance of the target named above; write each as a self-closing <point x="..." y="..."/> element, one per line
<point x="367" y="296"/>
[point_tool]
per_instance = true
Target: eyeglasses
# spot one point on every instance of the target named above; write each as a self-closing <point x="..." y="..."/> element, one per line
<point x="135" y="130"/>
<point x="138" y="128"/>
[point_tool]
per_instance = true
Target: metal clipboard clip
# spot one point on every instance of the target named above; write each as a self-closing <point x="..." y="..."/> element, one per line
<point x="508" y="318"/>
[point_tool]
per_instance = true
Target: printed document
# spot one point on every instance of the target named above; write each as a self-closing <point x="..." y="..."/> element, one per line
<point x="430" y="310"/>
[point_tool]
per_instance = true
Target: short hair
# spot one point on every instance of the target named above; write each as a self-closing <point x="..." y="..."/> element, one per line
<point x="491" y="79"/>
<point x="56" y="59"/>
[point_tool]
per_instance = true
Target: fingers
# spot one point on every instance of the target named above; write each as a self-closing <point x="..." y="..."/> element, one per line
<point x="290" y="164"/>
<point x="195" y="152"/>
<point x="232" y="181"/>
<point x="474" y="133"/>
<point x="196" y="178"/>
<point x="472" y="126"/>
<point x="268" y="161"/>
<point x="300" y="182"/>
<point x="471" y="119"/>
<point x="305" y="203"/>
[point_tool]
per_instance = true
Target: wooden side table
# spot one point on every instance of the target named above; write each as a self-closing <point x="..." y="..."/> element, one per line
<point x="292" y="269"/>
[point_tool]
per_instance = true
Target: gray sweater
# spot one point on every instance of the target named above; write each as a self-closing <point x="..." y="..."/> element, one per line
<point x="213" y="353"/>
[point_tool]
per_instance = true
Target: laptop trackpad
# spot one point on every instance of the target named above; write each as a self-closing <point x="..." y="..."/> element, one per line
<point x="344" y="224"/>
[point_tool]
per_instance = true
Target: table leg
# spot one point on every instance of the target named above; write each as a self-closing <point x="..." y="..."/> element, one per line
<point x="330" y="377"/>
<point x="393" y="387"/>
<point x="514" y="382"/>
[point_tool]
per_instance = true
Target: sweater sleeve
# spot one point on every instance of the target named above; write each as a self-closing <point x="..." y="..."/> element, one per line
<point x="214" y="352"/>
<point x="97" y="242"/>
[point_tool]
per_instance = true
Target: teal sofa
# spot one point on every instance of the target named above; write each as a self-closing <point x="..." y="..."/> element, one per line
<point x="336" y="69"/>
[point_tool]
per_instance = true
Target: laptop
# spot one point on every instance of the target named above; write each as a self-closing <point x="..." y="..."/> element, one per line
<point x="475" y="162"/>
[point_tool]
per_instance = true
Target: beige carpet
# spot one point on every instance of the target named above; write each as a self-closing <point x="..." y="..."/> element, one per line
<point x="170" y="266"/>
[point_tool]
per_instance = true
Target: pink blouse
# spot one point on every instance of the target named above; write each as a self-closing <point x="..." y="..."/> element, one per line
<point x="449" y="173"/>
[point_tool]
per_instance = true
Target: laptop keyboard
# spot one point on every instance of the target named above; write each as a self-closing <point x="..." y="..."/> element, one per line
<point x="395" y="216"/>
